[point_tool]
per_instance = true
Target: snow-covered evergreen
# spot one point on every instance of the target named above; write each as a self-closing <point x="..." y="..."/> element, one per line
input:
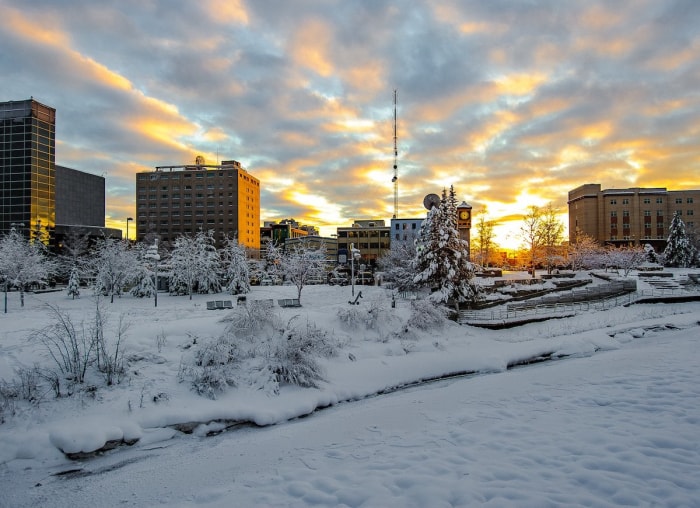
<point x="442" y="257"/>
<point x="73" y="287"/>
<point x="679" y="251"/>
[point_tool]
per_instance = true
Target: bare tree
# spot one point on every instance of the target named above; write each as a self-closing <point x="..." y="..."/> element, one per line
<point x="483" y="241"/>
<point x="551" y="234"/>
<point x="530" y="232"/>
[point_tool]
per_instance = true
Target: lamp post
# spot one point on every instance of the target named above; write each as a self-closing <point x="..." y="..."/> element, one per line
<point x="128" y="219"/>
<point x="354" y="254"/>
<point x="152" y="253"/>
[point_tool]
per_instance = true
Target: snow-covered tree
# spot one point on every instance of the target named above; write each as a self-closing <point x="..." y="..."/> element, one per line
<point x="273" y="258"/>
<point x="301" y="262"/>
<point x="625" y="258"/>
<point x="237" y="269"/>
<point x="585" y="252"/>
<point x="442" y="257"/>
<point x="74" y="284"/>
<point x="679" y="251"/>
<point x="144" y="283"/>
<point x="397" y="266"/>
<point x="24" y="262"/>
<point x="114" y="266"/>
<point x="195" y="264"/>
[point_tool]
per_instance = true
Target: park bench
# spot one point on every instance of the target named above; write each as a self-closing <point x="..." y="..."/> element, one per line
<point x="288" y="302"/>
<point x="219" y="304"/>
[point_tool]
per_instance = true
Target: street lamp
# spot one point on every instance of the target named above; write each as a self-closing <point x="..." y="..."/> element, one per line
<point x="152" y="253"/>
<point x="354" y="254"/>
<point x="127" y="227"/>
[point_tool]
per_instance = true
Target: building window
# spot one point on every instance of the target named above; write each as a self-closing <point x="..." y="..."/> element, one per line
<point x="679" y="201"/>
<point x="613" y="214"/>
<point x="625" y="213"/>
<point x="659" y="213"/>
<point x="647" y="213"/>
<point x="647" y="201"/>
<point x="659" y="201"/>
<point x="613" y="201"/>
<point x="625" y="201"/>
<point x="689" y="201"/>
<point x="689" y="212"/>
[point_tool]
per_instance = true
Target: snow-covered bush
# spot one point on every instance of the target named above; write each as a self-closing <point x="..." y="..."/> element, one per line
<point x="293" y="356"/>
<point x="248" y="321"/>
<point x="212" y="369"/>
<point x="426" y="316"/>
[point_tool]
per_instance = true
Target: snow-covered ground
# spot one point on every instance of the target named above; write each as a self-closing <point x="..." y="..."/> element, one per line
<point x="615" y="422"/>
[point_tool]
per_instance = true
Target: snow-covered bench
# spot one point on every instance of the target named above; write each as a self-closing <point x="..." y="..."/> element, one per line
<point x="289" y="302"/>
<point x="219" y="304"/>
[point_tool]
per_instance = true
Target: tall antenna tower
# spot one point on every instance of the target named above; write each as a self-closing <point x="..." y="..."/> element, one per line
<point x="395" y="180"/>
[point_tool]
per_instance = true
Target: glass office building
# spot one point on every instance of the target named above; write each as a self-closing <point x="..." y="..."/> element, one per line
<point x="27" y="168"/>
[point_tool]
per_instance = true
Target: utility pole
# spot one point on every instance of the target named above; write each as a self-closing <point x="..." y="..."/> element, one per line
<point x="395" y="180"/>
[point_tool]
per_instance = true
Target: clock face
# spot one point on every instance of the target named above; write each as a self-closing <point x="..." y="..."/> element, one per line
<point x="464" y="215"/>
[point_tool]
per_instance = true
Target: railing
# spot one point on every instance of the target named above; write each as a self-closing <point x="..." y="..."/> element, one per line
<point x="523" y="311"/>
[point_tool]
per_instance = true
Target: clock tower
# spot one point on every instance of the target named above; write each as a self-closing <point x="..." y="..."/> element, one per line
<point x="464" y="222"/>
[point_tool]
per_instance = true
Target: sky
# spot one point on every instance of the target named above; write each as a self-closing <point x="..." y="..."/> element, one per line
<point x="612" y="420"/>
<point x="514" y="103"/>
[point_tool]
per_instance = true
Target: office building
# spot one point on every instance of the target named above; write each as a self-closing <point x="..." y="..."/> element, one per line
<point x="371" y="237"/>
<point x="180" y="200"/>
<point x="629" y="216"/>
<point x="27" y="168"/>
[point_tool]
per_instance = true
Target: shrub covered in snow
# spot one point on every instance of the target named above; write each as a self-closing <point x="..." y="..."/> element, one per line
<point x="293" y="356"/>
<point x="212" y="368"/>
<point x="426" y="316"/>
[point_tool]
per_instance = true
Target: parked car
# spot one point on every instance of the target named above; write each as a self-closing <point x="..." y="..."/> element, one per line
<point x="314" y="280"/>
<point x="338" y="281"/>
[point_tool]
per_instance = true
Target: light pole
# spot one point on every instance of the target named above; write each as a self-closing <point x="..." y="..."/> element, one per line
<point x="152" y="253"/>
<point x="354" y="254"/>
<point x="128" y="219"/>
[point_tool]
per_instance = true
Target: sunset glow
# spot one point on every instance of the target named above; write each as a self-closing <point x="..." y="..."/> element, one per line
<point x="513" y="104"/>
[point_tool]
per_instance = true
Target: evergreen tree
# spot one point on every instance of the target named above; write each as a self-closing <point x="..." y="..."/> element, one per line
<point x="679" y="251"/>
<point x="442" y="257"/>
<point x="74" y="284"/>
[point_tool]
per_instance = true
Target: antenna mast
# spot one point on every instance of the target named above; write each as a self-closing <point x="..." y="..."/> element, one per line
<point x="395" y="180"/>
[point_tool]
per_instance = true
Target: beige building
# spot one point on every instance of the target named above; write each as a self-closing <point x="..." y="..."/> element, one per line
<point x="176" y="200"/>
<point x="371" y="237"/>
<point x="636" y="215"/>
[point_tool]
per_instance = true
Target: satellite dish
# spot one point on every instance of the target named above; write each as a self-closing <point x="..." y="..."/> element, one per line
<point x="430" y="201"/>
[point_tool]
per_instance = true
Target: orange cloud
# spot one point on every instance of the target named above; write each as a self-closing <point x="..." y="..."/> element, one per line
<point x="309" y="47"/>
<point x="226" y="11"/>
